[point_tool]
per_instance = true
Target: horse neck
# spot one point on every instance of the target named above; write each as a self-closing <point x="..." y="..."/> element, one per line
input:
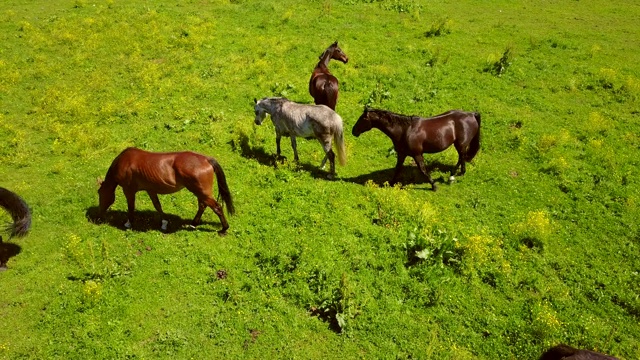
<point x="324" y="60"/>
<point x="393" y="130"/>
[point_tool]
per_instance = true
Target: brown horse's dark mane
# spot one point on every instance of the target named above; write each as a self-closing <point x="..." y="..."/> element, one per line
<point x="393" y="118"/>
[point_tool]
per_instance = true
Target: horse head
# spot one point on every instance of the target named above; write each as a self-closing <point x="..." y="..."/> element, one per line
<point x="338" y="54"/>
<point x="107" y="198"/>
<point x="363" y="124"/>
<point x="261" y="113"/>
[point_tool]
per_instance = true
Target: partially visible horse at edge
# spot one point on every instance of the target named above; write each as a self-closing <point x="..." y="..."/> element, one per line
<point x="565" y="352"/>
<point x="413" y="136"/>
<point x="21" y="217"/>
<point x="323" y="86"/>
<point x="308" y="121"/>
<point x="19" y="211"/>
<point x="165" y="173"/>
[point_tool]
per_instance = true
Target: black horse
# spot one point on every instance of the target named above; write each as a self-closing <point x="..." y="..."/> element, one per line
<point x="565" y="352"/>
<point x="413" y="136"/>
<point x="21" y="216"/>
<point x="19" y="211"/>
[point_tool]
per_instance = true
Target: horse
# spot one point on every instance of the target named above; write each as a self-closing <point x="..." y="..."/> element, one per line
<point x="560" y="352"/>
<point x="165" y="173"/>
<point x="21" y="216"/>
<point x="323" y="86"/>
<point x="413" y="136"/>
<point x="19" y="211"/>
<point x="308" y="121"/>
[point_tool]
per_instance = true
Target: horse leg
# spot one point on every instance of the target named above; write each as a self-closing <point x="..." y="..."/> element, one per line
<point x="294" y="145"/>
<point x="419" y="159"/>
<point x="197" y="219"/>
<point x="210" y="202"/>
<point x="156" y="204"/>
<point x="131" y="207"/>
<point x="278" y="145"/>
<point x="326" y="146"/>
<point x="461" y="163"/>
<point x="399" y="165"/>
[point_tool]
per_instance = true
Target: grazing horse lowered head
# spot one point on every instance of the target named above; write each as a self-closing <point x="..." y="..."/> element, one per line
<point x="413" y="136"/>
<point x="165" y="173"/>
<point x="19" y="211"/>
<point x="565" y="352"/>
<point x="308" y="121"/>
<point x="323" y="86"/>
<point x="21" y="216"/>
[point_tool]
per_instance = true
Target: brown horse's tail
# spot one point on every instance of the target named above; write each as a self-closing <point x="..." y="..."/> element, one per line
<point x="19" y="211"/>
<point x="223" y="188"/>
<point x="338" y="139"/>
<point x="474" y="146"/>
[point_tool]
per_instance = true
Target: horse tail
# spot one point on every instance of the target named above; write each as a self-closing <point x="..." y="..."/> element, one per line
<point x="19" y="211"/>
<point x="338" y="139"/>
<point x="223" y="188"/>
<point x="474" y="146"/>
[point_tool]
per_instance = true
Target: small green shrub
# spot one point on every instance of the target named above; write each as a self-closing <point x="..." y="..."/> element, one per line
<point x="499" y="66"/>
<point x="439" y="28"/>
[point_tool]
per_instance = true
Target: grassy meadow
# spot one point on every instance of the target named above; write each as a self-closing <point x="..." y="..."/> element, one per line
<point x="537" y="244"/>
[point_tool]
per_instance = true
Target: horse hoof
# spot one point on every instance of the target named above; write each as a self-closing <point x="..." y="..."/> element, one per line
<point x="191" y="227"/>
<point x="127" y="225"/>
<point x="452" y="178"/>
<point x="331" y="176"/>
<point x="222" y="232"/>
<point x="164" y="225"/>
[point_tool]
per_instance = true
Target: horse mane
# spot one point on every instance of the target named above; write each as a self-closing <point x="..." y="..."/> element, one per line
<point x="394" y="118"/>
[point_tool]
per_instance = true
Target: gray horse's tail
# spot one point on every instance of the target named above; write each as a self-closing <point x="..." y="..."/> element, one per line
<point x="223" y="188"/>
<point x="338" y="139"/>
<point x="19" y="211"/>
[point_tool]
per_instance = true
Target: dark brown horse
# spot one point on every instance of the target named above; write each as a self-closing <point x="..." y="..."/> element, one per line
<point x="21" y="216"/>
<point x="565" y="352"/>
<point x="323" y="86"/>
<point x="19" y="211"/>
<point x="165" y="173"/>
<point x="413" y="136"/>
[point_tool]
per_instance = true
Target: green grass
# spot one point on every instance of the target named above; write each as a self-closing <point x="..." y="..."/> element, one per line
<point x="537" y="244"/>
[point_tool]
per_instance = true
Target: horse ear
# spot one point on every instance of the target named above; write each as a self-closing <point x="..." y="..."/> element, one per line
<point x="255" y="101"/>
<point x="335" y="43"/>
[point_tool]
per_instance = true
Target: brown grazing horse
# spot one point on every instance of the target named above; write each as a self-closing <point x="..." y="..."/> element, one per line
<point x="165" y="173"/>
<point x="323" y="86"/>
<point x="565" y="352"/>
<point x="413" y="136"/>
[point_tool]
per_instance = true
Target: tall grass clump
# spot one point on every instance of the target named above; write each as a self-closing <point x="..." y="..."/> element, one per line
<point x="499" y="65"/>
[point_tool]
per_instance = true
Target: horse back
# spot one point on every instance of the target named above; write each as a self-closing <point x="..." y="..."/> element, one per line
<point x="439" y="132"/>
<point x="162" y="173"/>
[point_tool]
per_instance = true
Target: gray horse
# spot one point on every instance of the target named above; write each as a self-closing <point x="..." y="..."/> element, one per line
<point x="307" y="121"/>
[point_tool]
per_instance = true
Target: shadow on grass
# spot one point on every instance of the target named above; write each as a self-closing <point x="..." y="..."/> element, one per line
<point x="249" y="152"/>
<point x="258" y="153"/>
<point x="147" y="220"/>
<point x="7" y="251"/>
<point x="410" y="175"/>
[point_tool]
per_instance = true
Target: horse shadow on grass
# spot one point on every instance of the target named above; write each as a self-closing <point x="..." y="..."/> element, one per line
<point x="249" y="152"/>
<point x="147" y="220"/>
<point x="7" y="251"/>
<point x="258" y="153"/>
<point x="410" y="175"/>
